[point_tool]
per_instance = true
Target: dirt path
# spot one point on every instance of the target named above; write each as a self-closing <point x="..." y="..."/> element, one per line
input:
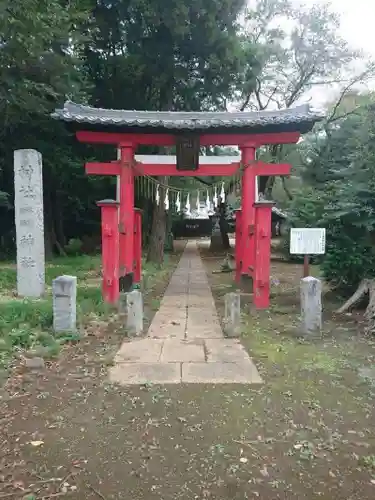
<point x="307" y="433"/>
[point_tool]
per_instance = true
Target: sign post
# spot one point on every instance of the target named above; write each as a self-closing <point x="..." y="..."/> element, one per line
<point x="307" y="241"/>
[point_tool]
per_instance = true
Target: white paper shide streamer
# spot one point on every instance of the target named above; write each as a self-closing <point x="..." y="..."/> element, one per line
<point x="157" y="195"/>
<point x="166" y="200"/>
<point x="178" y="203"/>
<point x="187" y="206"/>
<point x="222" y="193"/>
<point x="198" y="202"/>
<point x="208" y="205"/>
<point x="215" y="197"/>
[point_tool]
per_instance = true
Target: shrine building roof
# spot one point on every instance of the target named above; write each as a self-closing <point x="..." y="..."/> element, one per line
<point x="299" y="119"/>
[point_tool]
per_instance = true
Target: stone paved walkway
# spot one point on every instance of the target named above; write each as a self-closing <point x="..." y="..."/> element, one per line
<point x="185" y="342"/>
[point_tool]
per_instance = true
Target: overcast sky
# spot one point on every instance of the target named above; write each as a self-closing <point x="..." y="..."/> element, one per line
<point x="357" y="27"/>
<point x="357" y="21"/>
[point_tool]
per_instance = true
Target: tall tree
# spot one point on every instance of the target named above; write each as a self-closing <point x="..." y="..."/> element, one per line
<point x="179" y="55"/>
<point x="300" y="53"/>
<point x="37" y="64"/>
<point x="38" y="70"/>
<point x="164" y="56"/>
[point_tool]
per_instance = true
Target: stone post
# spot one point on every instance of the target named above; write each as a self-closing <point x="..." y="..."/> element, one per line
<point x="64" y="291"/>
<point x="232" y="316"/>
<point x="28" y="208"/>
<point x="134" y="319"/>
<point x="311" y="306"/>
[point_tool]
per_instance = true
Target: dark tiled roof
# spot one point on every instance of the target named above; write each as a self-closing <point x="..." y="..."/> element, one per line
<point x="302" y="117"/>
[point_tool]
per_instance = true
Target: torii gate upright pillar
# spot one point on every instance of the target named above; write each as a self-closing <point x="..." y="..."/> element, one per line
<point x="261" y="275"/>
<point x="126" y="216"/>
<point x="247" y="244"/>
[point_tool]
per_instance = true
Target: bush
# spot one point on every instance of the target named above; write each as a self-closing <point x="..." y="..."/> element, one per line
<point x="349" y="258"/>
<point x="74" y="247"/>
<point x="350" y="255"/>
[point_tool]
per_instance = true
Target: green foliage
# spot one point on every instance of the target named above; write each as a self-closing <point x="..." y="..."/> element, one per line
<point x="178" y="55"/>
<point x="37" y="66"/>
<point x="351" y="213"/>
<point x="298" y="48"/>
<point x="198" y="54"/>
<point x="293" y="57"/>
<point x="74" y="247"/>
<point x="16" y="313"/>
<point x="306" y="209"/>
<point x="340" y="196"/>
<point x="90" y="302"/>
<point x="27" y="324"/>
<point x="368" y="461"/>
<point x="146" y="55"/>
<point x="350" y="257"/>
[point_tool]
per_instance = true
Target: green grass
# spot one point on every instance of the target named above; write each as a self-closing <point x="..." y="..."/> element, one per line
<point x="81" y="266"/>
<point x="15" y="313"/>
<point x="273" y="338"/>
<point x="8" y="278"/>
<point x="27" y="323"/>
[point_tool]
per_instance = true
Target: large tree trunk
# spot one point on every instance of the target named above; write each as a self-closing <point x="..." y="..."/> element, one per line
<point x="51" y="243"/>
<point x="266" y="183"/>
<point x="59" y="222"/>
<point x="155" y="252"/>
<point x="366" y="287"/>
<point x="219" y="236"/>
<point x="224" y="234"/>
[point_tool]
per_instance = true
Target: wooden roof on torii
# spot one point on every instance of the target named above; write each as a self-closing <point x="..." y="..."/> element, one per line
<point x="293" y="121"/>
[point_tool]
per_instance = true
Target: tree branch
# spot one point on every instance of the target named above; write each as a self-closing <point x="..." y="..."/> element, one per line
<point x="286" y="189"/>
<point x="345" y="90"/>
<point x="246" y="102"/>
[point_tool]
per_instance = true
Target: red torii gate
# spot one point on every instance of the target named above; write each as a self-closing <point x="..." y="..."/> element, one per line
<point x="127" y="130"/>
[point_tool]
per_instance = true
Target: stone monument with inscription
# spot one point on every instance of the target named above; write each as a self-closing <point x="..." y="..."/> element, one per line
<point x="28" y="207"/>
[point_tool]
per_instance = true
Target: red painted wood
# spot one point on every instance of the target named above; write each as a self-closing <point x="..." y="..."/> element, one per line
<point x="252" y="243"/>
<point x="110" y="251"/>
<point x="248" y="210"/>
<point x="262" y="266"/>
<point x="137" y="246"/>
<point x="254" y="140"/>
<point x="113" y="168"/>
<point x="171" y="170"/>
<point x="238" y="252"/>
<point x="126" y="215"/>
<point x="108" y="168"/>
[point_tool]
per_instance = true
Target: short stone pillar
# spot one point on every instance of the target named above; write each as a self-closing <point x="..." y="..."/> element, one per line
<point x="134" y="317"/>
<point x="28" y="209"/>
<point x="64" y="291"/>
<point x="232" y="316"/>
<point x="311" y="306"/>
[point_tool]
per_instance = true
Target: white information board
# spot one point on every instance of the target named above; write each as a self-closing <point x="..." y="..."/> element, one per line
<point x="308" y="241"/>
